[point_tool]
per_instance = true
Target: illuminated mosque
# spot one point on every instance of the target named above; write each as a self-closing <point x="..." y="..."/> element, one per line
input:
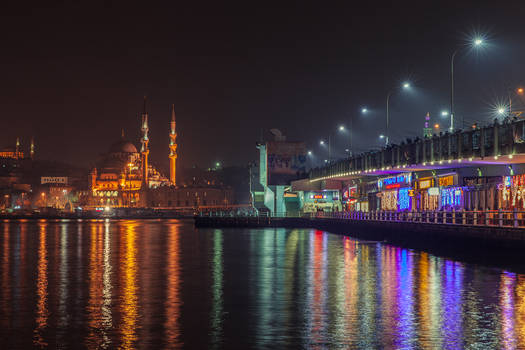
<point x="124" y="176"/>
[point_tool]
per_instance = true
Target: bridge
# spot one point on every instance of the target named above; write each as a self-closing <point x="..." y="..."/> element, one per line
<point x="495" y="144"/>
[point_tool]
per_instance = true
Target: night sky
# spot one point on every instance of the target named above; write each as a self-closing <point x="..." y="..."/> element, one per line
<point x="74" y="76"/>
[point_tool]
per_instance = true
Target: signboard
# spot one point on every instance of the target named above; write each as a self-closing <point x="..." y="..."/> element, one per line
<point x="62" y="180"/>
<point x="394" y="181"/>
<point x="425" y="183"/>
<point x="286" y="161"/>
<point x="433" y="191"/>
<point x="446" y="181"/>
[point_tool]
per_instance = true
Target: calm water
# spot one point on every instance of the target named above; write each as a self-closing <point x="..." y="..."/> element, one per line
<point x="163" y="284"/>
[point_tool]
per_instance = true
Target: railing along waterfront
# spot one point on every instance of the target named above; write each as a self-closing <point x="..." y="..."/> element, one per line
<point x="499" y="218"/>
<point x="497" y="140"/>
<point x="494" y="218"/>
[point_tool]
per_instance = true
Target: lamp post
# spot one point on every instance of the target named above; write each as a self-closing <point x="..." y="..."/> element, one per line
<point x="476" y="42"/>
<point x="322" y="143"/>
<point x="406" y="86"/>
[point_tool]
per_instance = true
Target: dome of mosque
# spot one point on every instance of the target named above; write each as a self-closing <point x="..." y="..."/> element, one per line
<point x="123" y="146"/>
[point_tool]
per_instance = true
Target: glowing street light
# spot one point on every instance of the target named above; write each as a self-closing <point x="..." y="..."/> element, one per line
<point x="476" y="42"/>
<point x="520" y="91"/>
<point x="309" y="153"/>
<point x="500" y="111"/>
<point x="341" y="128"/>
<point x="444" y="113"/>
<point x="321" y="143"/>
<point x="406" y="85"/>
<point x="381" y="136"/>
<point x="364" y="110"/>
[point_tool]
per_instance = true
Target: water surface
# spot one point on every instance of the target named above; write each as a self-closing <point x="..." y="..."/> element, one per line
<point x="163" y="284"/>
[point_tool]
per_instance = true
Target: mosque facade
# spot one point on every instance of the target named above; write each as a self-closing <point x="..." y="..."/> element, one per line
<point x="124" y="177"/>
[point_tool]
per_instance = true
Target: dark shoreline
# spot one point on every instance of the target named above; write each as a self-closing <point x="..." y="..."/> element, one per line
<point x="93" y="217"/>
<point x="499" y="247"/>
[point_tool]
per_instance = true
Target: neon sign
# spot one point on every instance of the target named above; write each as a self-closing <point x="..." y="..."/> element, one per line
<point x="394" y="181"/>
<point x="403" y="199"/>
<point x="451" y="197"/>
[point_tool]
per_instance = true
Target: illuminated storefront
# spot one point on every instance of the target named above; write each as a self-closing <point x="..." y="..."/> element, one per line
<point x="326" y="201"/>
<point x="512" y="191"/>
<point x="395" y="192"/>
<point x="452" y="198"/>
<point x="427" y="196"/>
<point x="349" y="198"/>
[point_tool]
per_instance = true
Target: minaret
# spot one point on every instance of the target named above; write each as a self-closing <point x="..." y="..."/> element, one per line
<point x="145" y="148"/>
<point x="17" y="149"/>
<point x="173" y="148"/>
<point x="32" y="149"/>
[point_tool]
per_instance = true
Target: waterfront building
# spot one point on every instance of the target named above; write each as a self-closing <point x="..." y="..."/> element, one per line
<point x="15" y="182"/>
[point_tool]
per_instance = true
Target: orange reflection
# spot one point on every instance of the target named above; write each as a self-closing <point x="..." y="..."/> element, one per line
<point x="6" y="288"/>
<point x="95" y="287"/>
<point x="429" y="302"/>
<point x="42" y="313"/>
<point x="520" y="311"/>
<point x="129" y="304"/>
<point x="107" y="320"/>
<point x="172" y="298"/>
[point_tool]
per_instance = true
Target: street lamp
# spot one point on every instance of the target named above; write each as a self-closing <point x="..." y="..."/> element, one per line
<point x="476" y="42"/>
<point x="444" y="113"/>
<point x="364" y="110"/>
<point x="405" y="86"/>
<point x="322" y="143"/>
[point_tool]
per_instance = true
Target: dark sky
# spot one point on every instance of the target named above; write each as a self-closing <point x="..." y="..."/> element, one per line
<point x="74" y="75"/>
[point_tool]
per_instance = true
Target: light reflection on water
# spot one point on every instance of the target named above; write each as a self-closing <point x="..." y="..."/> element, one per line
<point x="163" y="284"/>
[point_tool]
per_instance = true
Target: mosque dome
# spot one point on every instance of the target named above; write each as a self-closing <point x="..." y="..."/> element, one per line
<point x="123" y="146"/>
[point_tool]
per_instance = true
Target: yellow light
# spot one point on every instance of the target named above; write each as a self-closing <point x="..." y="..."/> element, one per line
<point x="520" y="91"/>
<point x="436" y="126"/>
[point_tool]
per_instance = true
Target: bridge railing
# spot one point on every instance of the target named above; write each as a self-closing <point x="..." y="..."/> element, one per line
<point x="500" y="218"/>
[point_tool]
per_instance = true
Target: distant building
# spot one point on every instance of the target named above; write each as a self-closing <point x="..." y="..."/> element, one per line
<point x="15" y="184"/>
